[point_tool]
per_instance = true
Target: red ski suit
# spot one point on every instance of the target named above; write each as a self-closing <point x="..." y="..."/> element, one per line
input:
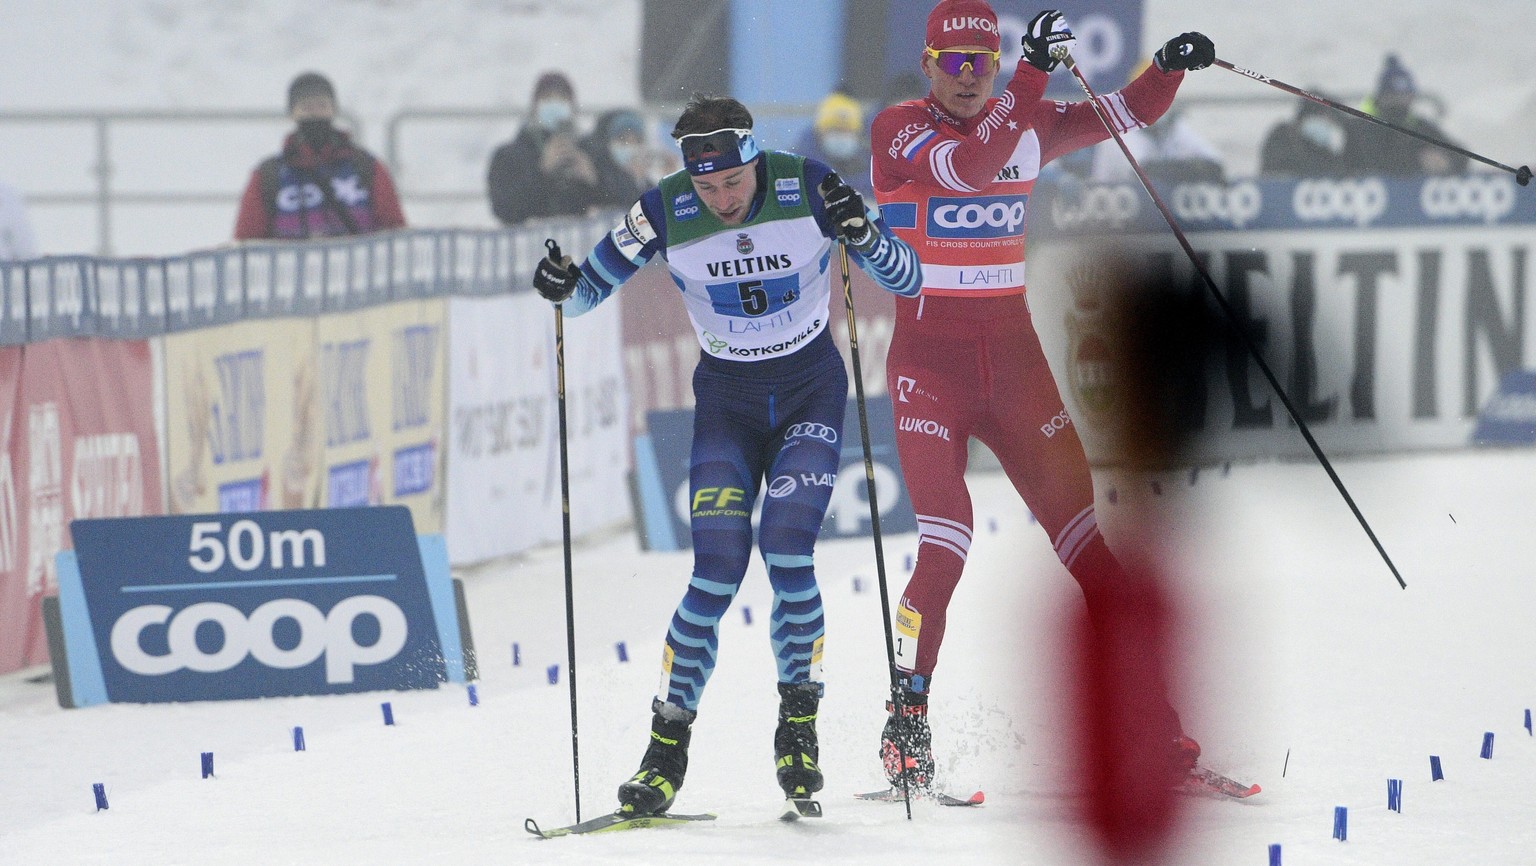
<point x="965" y="359"/>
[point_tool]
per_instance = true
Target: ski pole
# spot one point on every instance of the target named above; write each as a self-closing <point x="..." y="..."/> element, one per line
<point x="565" y="528"/>
<point x="1522" y="174"/>
<point x="874" y="514"/>
<point x="1232" y="319"/>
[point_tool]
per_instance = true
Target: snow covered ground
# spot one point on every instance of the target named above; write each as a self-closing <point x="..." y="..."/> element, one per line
<point x="1316" y="676"/>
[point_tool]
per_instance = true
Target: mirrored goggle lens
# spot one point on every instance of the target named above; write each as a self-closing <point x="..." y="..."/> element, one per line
<point x="952" y="62"/>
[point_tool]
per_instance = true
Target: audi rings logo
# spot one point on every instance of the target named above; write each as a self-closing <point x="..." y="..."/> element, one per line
<point x="812" y="430"/>
<point x="1488" y="199"/>
<point x="1236" y="205"/>
<point x="782" y="487"/>
<point x="1361" y="202"/>
<point x="1098" y="205"/>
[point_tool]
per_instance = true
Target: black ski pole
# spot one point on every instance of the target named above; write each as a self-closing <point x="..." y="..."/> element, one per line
<point x="565" y="529"/>
<point x="1522" y="174"/>
<point x="874" y="517"/>
<point x="1232" y="319"/>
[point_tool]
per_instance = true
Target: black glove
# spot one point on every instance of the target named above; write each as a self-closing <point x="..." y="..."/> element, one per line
<point x="555" y="278"/>
<point x="1047" y="40"/>
<point x="1189" y="51"/>
<point x="845" y="207"/>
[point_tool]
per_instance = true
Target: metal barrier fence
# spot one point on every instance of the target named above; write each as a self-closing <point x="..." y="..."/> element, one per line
<point x="135" y="298"/>
<point x="178" y="191"/>
<point x="103" y="129"/>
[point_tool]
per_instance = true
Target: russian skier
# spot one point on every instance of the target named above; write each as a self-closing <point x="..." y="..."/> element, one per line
<point x="952" y="174"/>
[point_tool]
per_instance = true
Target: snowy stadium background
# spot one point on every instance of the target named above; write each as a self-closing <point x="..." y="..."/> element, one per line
<point x="1305" y="644"/>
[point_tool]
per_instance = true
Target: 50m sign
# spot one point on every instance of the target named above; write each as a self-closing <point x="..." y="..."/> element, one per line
<point x="246" y="547"/>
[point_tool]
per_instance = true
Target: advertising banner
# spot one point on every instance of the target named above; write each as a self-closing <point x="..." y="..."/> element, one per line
<point x="204" y="288"/>
<point x="380" y="391"/>
<point x="596" y="407"/>
<point x="61" y="298"/>
<point x="1509" y="418"/>
<point x="503" y="452"/>
<point x="1472" y="201"/>
<point x="21" y="638"/>
<point x="229" y="606"/>
<point x="1385" y="340"/>
<point x="80" y="442"/>
<point x="662" y="458"/>
<point x="243" y="417"/>
<point x="130" y="298"/>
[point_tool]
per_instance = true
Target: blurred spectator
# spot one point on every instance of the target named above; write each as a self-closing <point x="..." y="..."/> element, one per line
<point x="1169" y="150"/>
<point x="903" y="88"/>
<point x="838" y="138"/>
<point x="542" y="172"/>
<point x="16" y="238"/>
<point x="1373" y="149"/>
<point x="621" y="153"/>
<point x="1309" y="145"/>
<point x="321" y="185"/>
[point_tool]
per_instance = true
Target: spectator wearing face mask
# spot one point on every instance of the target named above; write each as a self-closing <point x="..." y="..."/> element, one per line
<point x="1170" y="150"/>
<point x="543" y="172"/>
<point x="625" y="162"/>
<point x="1377" y="150"/>
<point x="839" y="138"/>
<point x="322" y="184"/>
<point x="1309" y="145"/>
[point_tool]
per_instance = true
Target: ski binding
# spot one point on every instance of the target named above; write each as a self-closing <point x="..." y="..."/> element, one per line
<point x="796" y="808"/>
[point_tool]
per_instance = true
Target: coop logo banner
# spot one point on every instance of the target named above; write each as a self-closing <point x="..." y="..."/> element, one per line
<point x="1360" y="202"/>
<point x="1476" y="198"/>
<point x="1205" y="205"/>
<point x="61" y="295"/>
<point x="226" y="606"/>
<point x="991" y="216"/>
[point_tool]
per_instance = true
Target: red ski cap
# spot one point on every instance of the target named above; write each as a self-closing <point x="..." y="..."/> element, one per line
<point x="962" y="22"/>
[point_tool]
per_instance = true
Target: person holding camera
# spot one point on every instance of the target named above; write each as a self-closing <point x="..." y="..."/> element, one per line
<point x="543" y="172"/>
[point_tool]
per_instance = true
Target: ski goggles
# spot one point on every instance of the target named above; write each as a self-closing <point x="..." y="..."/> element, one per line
<point x="953" y="61"/>
<point x="706" y="152"/>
